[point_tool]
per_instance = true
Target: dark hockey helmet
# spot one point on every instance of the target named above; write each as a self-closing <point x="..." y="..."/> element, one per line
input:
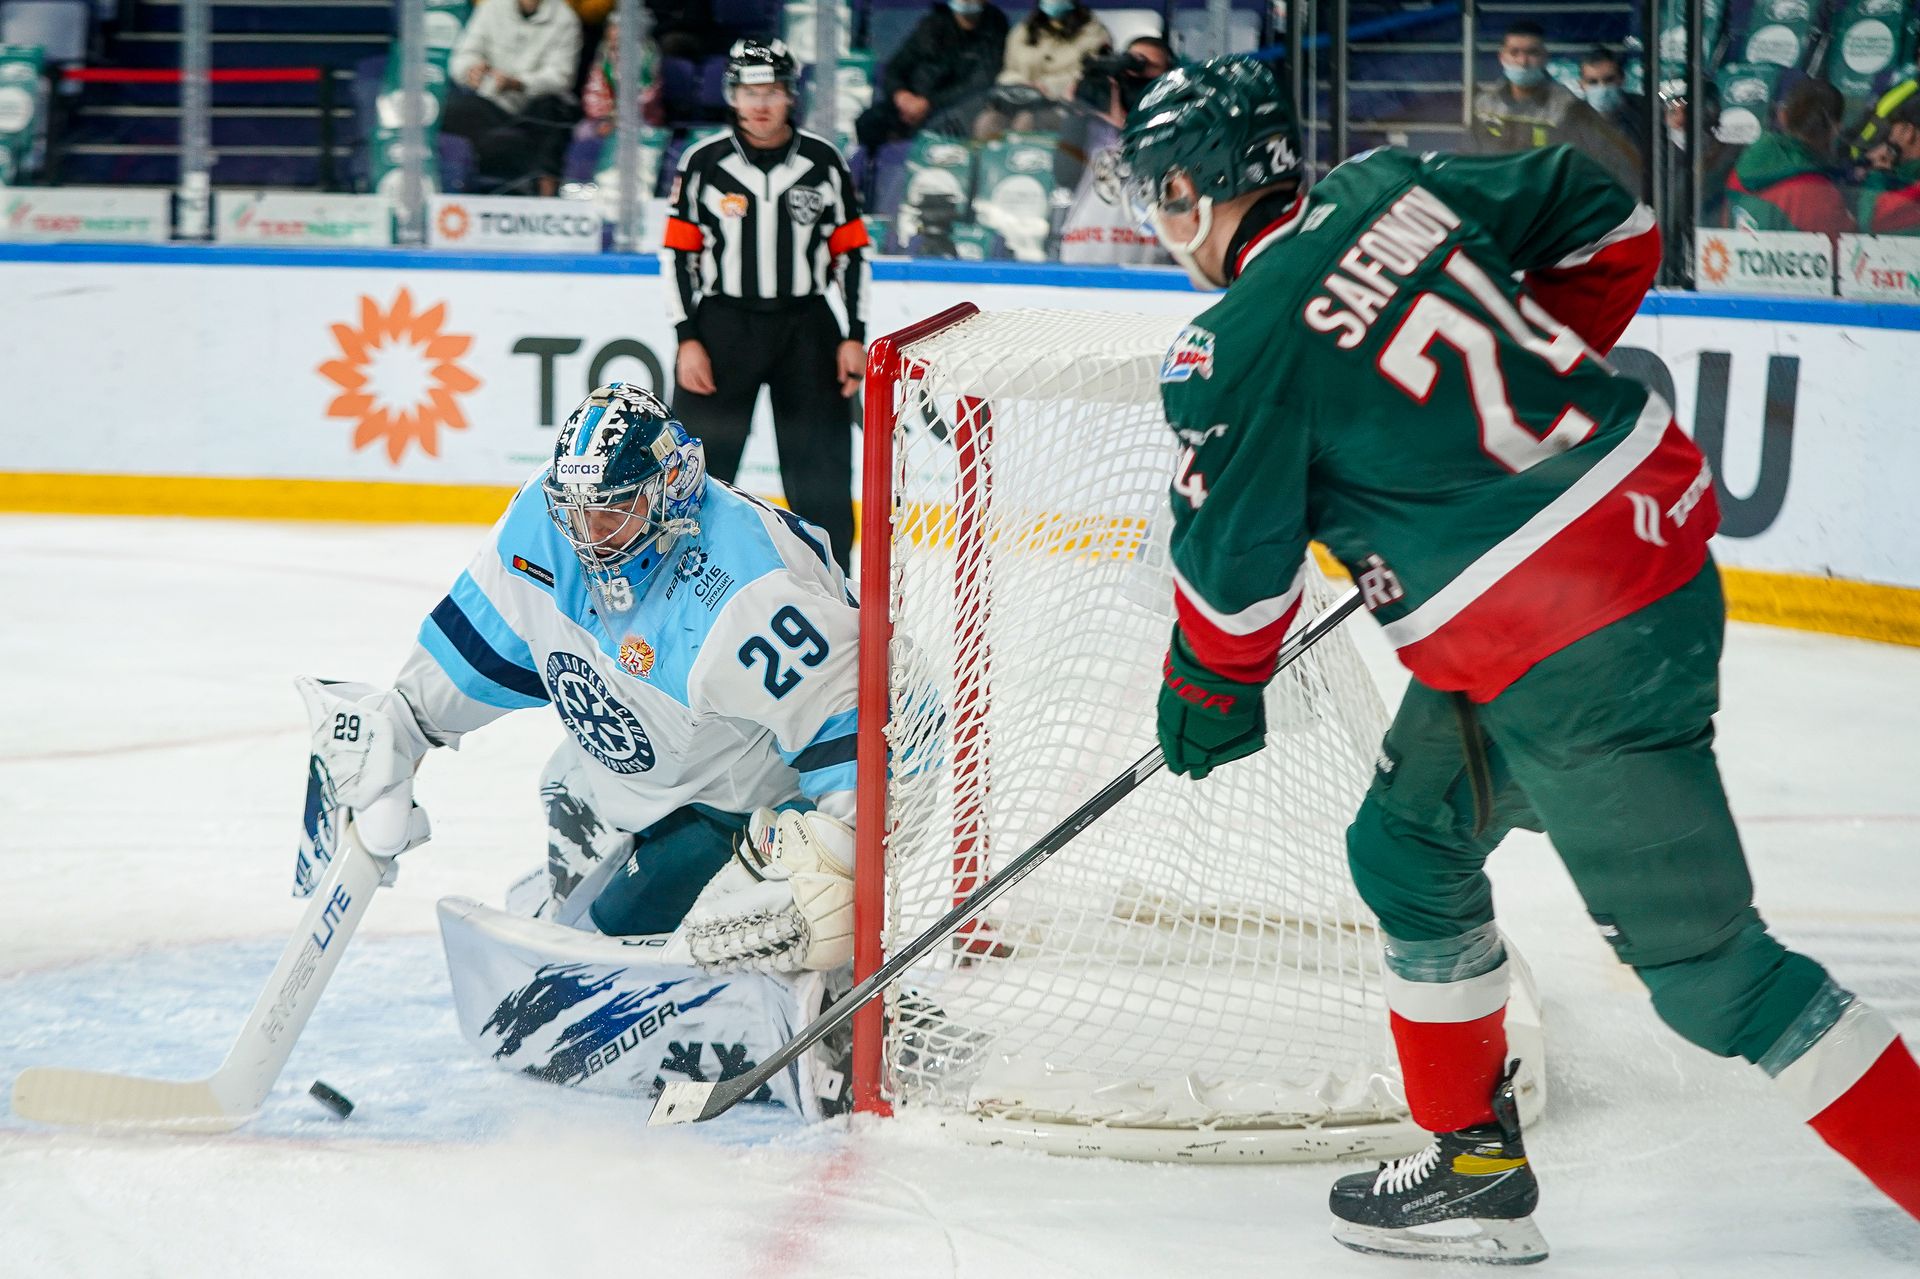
<point x="759" y="62"/>
<point x="625" y="482"/>
<point x="1226" y="123"/>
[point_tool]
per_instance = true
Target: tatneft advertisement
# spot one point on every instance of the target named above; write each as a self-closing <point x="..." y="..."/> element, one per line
<point x="462" y="378"/>
<point x="47" y="215"/>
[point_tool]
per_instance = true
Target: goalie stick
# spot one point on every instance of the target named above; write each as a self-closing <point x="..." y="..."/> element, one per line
<point x="233" y="1094"/>
<point x="683" y="1102"/>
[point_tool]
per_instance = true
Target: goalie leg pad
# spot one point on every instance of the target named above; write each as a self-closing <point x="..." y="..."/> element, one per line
<point x="623" y="1015"/>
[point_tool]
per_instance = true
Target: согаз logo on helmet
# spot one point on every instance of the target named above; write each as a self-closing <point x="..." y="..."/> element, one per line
<point x="604" y="728"/>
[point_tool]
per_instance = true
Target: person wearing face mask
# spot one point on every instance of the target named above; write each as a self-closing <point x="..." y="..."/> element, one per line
<point x="1603" y="85"/>
<point x="1527" y="108"/>
<point x="1785" y="181"/>
<point x="939" y="77"/>
<point x="1042" y="67"/>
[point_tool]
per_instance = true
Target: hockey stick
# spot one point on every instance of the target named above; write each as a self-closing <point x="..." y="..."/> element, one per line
<point x="233" y="1094"/>
<point x="691" y="1102"/>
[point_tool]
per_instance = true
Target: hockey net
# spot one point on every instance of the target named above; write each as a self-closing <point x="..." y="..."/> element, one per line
<point x="1193" y="976"/>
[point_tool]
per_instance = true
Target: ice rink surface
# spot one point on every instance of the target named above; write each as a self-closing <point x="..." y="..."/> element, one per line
<point x="151" y="773"/>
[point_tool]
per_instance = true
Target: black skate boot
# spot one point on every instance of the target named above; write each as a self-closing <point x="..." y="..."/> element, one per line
<point x="1469" y="1196"/>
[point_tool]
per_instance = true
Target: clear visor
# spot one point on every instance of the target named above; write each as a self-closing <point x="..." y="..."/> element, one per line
<point x="607" y="527"/>
<point x="1147" y="194"/>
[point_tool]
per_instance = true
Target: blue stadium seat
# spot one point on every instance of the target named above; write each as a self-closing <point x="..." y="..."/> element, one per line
<point x="713" y="86"/>
<point x="59" y="27"/>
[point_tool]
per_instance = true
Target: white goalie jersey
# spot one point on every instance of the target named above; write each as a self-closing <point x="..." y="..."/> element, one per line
<point x="728" y="681"/>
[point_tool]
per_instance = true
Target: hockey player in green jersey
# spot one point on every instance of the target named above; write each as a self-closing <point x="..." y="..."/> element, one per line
<point x="1408" y="366"/>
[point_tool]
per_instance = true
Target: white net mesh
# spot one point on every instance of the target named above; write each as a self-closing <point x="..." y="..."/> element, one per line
<point x="1195" y="960"/>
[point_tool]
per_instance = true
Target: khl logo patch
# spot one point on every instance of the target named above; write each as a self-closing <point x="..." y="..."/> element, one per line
<point x="607" y="730"/>
<point x="804" y="204"/>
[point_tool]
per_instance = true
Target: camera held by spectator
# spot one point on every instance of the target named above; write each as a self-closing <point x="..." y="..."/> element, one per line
<point x="1113" y="83"/>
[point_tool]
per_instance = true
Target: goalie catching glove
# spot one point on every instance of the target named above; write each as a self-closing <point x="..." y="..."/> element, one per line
<point x="785" y="902"/>
<point x="360" y="766"/>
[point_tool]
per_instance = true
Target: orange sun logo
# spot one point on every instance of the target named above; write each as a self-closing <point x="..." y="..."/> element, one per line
<point x="398" y="377"/>
<point x="1714" y="260"/>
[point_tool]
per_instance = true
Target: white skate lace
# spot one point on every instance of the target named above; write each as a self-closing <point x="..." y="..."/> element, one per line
<point x="1404" y="1172"/>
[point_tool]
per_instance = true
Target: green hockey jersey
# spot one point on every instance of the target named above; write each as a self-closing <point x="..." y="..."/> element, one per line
<point x="1408" y="367"/>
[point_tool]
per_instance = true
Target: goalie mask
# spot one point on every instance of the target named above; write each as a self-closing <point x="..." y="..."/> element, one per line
<point x="626" y="482"/>
<point x="1226" y="125"/>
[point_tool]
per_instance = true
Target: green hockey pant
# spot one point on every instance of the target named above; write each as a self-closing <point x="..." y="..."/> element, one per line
<point x="1607" y="746"/>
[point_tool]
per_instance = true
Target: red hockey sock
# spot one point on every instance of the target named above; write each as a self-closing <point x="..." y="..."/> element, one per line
<point x="1875" y="1122"/>
<point x="1451" y="1068"/>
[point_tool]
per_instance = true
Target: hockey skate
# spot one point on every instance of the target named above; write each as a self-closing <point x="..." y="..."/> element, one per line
<point x="1469" y="1196"/>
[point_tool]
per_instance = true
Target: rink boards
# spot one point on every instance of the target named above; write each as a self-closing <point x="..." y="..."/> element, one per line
<point x="377" y="385"/>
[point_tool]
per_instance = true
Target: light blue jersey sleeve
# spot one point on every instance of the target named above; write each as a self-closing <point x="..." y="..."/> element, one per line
<point x="472" y="663"/>
<point x="783" y="652"/>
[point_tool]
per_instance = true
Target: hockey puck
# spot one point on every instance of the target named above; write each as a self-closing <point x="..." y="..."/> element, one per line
<point x="331" y="1098"/>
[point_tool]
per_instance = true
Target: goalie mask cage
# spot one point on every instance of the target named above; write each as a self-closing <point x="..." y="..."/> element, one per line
<point x="1193" y="977"/>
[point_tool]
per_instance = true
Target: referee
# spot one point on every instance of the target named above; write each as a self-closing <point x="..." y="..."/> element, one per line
<point x="762" y="216"/>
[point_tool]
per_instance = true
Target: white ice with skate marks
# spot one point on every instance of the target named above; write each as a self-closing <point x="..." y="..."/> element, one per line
<point x="150" y="781"/>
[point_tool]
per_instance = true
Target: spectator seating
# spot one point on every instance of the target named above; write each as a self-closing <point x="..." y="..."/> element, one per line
<point x="61" y="28"/>
<point x="1748" y="91"/>
<point x="1780" y="31"/>
<point x="1869" y="39"/>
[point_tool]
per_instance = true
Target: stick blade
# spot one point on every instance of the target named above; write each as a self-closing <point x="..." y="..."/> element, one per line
<point x="683" y="1103"/>
<point x="96" y="1099"/>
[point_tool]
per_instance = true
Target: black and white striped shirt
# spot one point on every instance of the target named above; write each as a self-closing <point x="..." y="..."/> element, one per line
<point x="765" y="227"/>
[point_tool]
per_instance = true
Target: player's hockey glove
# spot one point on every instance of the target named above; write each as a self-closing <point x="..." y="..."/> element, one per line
<point x="1206" y="720"/>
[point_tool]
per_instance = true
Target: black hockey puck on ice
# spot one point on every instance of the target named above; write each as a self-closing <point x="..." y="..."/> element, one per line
<point x="331" y="1098"/>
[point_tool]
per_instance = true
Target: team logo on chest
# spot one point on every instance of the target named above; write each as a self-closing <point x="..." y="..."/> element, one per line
<point x="1191" y="353"/>
<point x="636" y="656"/>
<point x="733" y="205"/>
<point x="804" y="204"/>
<point x="605" y="729"/>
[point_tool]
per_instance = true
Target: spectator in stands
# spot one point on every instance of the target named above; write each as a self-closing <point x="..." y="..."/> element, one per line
<point x="597" y="96"/>
<point x="1676" y="231"/>
<point x="1603" y="85"/>
<point x="593" y="15"/>
<point x="1890" y="203"/>
<point x="1785" y="181"/>
<point x="1117" y="90"/>
<point x="511" y="93"/>
<point x="1527" y="108"/>
<point x="939" y="77"/>
<point x="1041" y="68"/>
